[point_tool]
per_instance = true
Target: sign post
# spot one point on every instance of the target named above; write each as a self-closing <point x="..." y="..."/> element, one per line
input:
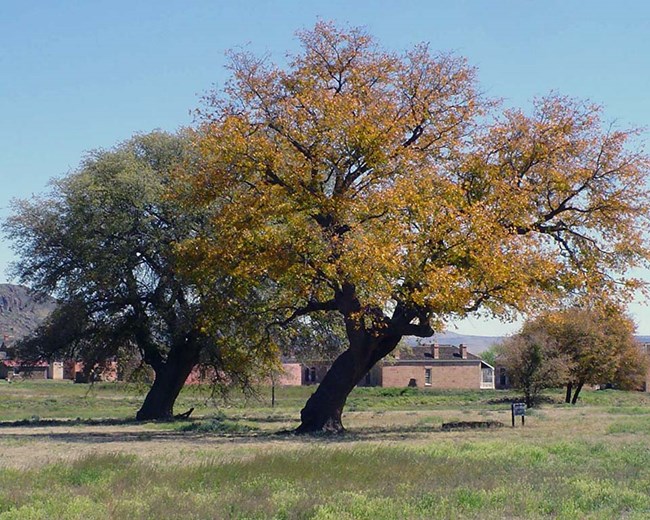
<point x="518" y="409"/>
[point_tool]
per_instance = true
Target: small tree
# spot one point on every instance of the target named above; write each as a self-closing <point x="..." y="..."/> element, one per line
<point x="490" y="354"/>
<point x="596" y="342"/>
<point x="534" y="363"/>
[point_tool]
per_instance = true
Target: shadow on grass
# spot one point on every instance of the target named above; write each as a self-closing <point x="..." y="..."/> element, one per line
<point x="40" y="423"/>
<point x="388" y="433"/>
<point x="269" y="419"/>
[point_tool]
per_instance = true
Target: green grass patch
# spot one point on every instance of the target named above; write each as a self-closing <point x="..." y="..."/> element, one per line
<point x="216" y="424"/>
<point x="438" y="480"/>
<point x="636" y="424"/>
<point x="27" y="400"/>
<point x="586" y="461"/>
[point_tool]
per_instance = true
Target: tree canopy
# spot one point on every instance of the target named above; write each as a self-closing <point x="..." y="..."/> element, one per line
<point x="533" y="362"/>
<point x="596" y="345"/>
<point x="103" y="241"/>
<point x="385" y="188"/>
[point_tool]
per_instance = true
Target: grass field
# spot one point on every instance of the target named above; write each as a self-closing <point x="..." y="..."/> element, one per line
<point x="587" y="461"/>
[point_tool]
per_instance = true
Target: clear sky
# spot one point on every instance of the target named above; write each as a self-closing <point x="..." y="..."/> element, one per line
<point x="76" y="75"/>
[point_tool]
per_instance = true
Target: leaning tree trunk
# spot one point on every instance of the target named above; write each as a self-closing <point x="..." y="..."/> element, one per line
<point x="577" y="392"/>
<point x="169" y="380"/>
<point x="323" y="410"/>
<point x="569" y="388"/>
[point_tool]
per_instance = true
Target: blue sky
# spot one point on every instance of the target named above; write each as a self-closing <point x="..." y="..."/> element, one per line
<point x="80" y="75"/>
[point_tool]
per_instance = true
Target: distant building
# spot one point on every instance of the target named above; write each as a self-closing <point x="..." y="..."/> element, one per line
<point x="422" y="366"/>
<point x="298" y="373"/>
<point x="437" y="366"/>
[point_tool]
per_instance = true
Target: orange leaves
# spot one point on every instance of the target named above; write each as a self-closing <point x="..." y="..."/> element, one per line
<point x="358" y="166"/>
<point x="597" y="339"/>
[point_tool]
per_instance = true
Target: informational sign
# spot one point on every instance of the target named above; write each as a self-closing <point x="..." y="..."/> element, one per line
<point x="518" y="409"/>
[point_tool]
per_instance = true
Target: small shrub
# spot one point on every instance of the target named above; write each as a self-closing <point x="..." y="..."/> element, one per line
<point x="217" y="424"/>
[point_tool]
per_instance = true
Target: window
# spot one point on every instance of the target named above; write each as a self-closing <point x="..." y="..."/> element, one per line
<point x="427" y="377"/>
<point x="487" y="377"/>
<point x="310" y="375"/>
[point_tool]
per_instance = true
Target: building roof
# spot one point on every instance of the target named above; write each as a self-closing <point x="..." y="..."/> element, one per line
<point x="425" y="353"/>
<point x="421" y="353"/>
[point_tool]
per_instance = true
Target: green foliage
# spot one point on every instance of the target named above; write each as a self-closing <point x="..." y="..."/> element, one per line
<point x="490" y="355"/>
<point x="533" y="363"/>
<point x="104" y="242"/>
<point x="577" y="346"/>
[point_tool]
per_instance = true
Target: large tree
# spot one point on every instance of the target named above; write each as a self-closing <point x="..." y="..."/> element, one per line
<point x="103" y="241"/>
<point x="377" y="186"/>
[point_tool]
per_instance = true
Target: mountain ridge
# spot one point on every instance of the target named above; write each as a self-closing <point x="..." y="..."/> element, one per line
<point x="21" y="311"/>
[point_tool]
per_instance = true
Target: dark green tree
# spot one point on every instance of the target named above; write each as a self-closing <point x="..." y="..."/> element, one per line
<point x="103" y="242"/>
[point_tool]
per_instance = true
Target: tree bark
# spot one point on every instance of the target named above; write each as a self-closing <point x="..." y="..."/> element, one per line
<point x="323" y="410"/>
<point x="569" y="388"/>
<point x="577" y="392"/>
<point x="368" y="343"/>
<point x="169" y="380"/>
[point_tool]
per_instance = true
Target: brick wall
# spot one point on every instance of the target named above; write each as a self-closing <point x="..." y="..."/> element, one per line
<point x="292" y="375"/>
<point x="442" y="376"/>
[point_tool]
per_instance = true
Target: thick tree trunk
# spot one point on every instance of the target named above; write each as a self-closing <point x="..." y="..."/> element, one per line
<point x="367" y="345"/>
<point x="169" y="381"/>
<point x="323" y="410"/>
<point x="569" y="388"/>
<point x="577" y="392"/>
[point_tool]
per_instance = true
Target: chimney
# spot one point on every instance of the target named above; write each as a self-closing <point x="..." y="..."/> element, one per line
<point x="463" y="351"/>
<point x="435" y="351"/>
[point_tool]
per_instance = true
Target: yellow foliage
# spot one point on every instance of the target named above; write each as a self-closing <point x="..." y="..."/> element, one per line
<point x="384" y="172"/>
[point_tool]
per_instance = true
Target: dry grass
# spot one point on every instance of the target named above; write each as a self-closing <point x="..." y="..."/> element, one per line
<point x="588" y="461"/>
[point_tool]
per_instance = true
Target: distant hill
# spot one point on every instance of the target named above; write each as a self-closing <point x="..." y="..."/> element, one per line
<point x="20" y="311"/>
<point x="475" y="344"/>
